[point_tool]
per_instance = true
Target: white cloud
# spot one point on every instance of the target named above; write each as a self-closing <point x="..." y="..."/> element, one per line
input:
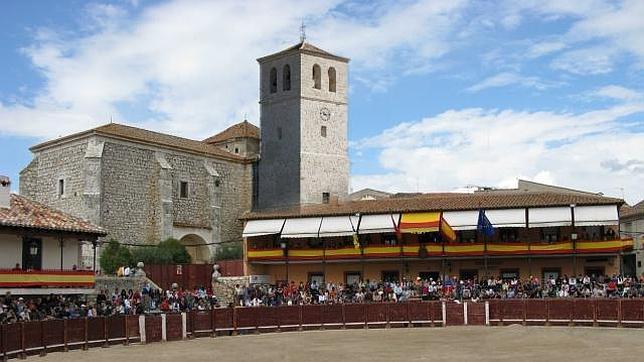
<point x="189" y="66"/>
<point x="510" y="78"/>
<point x="544" y="48"/>
<point x="618" y="93"/>
<point x="587" y="61"/>
<point x="495" y="147"/>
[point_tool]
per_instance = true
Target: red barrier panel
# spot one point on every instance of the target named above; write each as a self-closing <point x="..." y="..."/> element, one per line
<point x="96" y="329"/>
<point x="289" y="317"/>
<point x="202" y="321"/>
<point x="560" y="310"/>
<point x="398" y="313"/>
<point x="633" y="311"/>
<point x="2" y="350"/>
<point x="116" y="328"/>
<point x="332" y="314"/>
<point x="247" y="318"/>
<point x="224" y="319"/>
<point x="583" y="311"/>
<point x="454" y="314"/>
<point x="354" y="314"/>
<point x="75" y="331"/>
<point x="476" y="313"/>
<point x="153" y="331"/>
<point x="32" y="332"/>
<point x="513" y="310"/>
<point x="496" y="314"/>
<point x="267" y="317"/>
<point x="54" y="333"/>
<point x="607" y="311"/>
<point x="536" y="311"/>
<point x="11" y="334"/>
<point x="436" y="312"/>
<point x="377" y="313"/>
<point x="312" y="315"/>
<point x="419" y="312"/>
<point x="133" y="329"/>
<point x="173" y="327"/>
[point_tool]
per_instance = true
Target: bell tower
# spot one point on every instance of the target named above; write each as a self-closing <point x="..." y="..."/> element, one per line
<point x="303" y="116"/>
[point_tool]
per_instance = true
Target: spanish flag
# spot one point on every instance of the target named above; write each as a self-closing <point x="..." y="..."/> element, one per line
<point x="446" y="230"/>
<point x="420" y="222"/>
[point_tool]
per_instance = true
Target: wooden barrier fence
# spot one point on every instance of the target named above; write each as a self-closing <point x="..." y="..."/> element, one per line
<point x="28" y="338"/>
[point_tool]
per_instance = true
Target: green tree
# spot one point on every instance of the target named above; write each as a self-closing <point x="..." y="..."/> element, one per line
<point x="169" y="251"/>
<point x="229" y="251"/>
<point x="113" y="256"/>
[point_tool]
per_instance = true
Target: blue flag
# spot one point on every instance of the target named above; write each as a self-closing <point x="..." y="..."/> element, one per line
<point x="484" y="225"/>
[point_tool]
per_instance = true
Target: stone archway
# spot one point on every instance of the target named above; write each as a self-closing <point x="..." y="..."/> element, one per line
<point x="197" y="248"/>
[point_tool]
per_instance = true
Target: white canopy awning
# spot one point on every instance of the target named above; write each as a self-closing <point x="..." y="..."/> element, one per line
<point x="549" y="216"/>
<point x="506" y="218"/>
<point x="462" y="220"/>
<point x="262" y="227"/>
<point x="596" y="215"/>
<point x="338" y="226"/>
<point x="307" y="227"/>
<point x="375" y="224"/>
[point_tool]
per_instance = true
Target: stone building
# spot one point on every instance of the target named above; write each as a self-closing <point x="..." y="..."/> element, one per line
<point x="303" y="113"/>
<point x="632" y="225"/>
<point x="144" y="186"/>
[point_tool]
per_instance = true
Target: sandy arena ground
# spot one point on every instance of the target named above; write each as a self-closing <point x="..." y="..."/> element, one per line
<point x="415" y="344"/>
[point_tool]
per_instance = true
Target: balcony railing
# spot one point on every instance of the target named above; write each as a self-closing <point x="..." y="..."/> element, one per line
<point x="443" y="250"/>
<point x="10" y="278"/>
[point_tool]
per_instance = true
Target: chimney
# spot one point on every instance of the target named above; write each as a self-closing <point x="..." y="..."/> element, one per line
<point x="5" y="192"/>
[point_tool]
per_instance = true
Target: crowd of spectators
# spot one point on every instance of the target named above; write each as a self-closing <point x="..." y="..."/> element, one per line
<point x="151" y="300"/>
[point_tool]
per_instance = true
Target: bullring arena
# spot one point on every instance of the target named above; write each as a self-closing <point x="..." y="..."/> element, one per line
<point x="573" y="329"/>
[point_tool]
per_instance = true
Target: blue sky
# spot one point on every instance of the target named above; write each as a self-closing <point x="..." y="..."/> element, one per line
<point x="443" y="94"/>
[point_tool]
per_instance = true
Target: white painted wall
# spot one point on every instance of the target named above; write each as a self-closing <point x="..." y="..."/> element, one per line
<point x="11" y="252"/>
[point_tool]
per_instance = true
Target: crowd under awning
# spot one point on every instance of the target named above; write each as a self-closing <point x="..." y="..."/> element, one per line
<point x="423" y="222"/>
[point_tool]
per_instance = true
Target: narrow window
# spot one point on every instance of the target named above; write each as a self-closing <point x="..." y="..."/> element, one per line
<point x="286" y="78"/>
<point x="323" y="131"/>
<point x="61" y="187"/>
<point x="326" y="197"/>
<point x="236" y="150"/>
<point x="279" y="133"/>
<point x="332" y="79"/>
<point x="273" y="80"/>
<point x="317" y="77"/>
<point x="183" y="190"/>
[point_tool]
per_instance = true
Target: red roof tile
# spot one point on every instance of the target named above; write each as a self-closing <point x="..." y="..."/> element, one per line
<point x="240" y="130"/>
<point x="26" y="213"/>
<point x="439" y="202"/>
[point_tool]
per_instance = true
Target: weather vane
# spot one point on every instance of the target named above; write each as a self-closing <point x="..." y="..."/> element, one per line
<point x="302" y="32"/>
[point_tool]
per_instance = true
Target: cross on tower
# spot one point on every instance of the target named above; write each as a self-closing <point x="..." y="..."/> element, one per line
<point x="302" y="32"/>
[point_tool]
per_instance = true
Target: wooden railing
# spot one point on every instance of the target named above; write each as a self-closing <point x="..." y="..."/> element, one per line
<point x="21" y="339"/>
<point x="444" y="250"/>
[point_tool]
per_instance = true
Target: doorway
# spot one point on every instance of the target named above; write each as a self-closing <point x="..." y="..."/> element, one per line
<point x="390" y="276"/>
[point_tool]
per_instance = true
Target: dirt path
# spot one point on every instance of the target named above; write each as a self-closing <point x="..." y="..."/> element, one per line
<point x="417" y="344"/>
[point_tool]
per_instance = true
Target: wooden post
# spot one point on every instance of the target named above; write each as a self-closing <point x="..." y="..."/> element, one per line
<point x="105" y="332"/>
<point x="344" y="318"/>
<point x="301" y="317"/>
<point x="127" y="332"/>
<point x="42" y="340"/>
<point x="66" y="348"/>
<point x="23" y="354"/>
<point x="2" y="341"/>
<point x="595" y="324"/>
<point x="547" y="312"/>
<point x="525" y="312"/>
<point x="213" y="323"/>
<point x="86" y="345"/>
<point x="619" y="313"/>
<point x="234" y="332"/>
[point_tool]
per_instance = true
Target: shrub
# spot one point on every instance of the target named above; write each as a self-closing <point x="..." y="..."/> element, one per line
<point x="113" y="256"/>
<point x="169" y="251"/>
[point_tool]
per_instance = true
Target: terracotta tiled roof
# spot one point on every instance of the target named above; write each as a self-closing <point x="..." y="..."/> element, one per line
<point x="145" y="136"/>
<point x="26" y="213"/>
<point x="628" y="212"/>
<point x="240" y="130"/>
<point x="305" y="47"/>
<point x="439" y="202"/>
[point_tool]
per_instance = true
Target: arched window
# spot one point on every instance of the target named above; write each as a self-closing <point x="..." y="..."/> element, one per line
<point x="273" y="83"/>
<point x="331" y="79"/>
<point x="317" y="77"/>
<point x="286" y="78"/>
